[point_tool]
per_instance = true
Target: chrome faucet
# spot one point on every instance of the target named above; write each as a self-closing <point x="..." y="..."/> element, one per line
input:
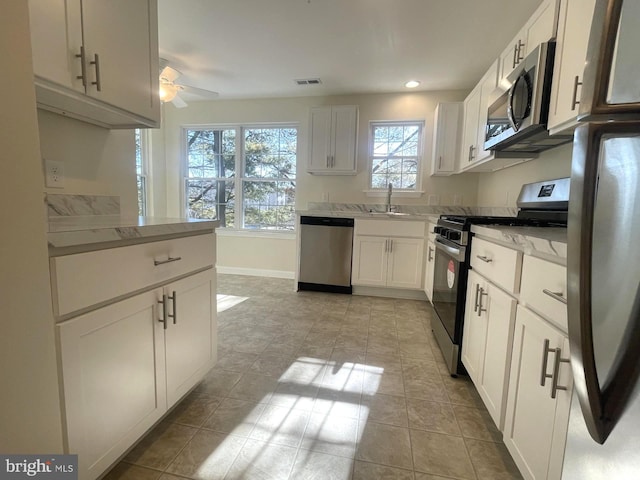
<point x="389" y="193"/>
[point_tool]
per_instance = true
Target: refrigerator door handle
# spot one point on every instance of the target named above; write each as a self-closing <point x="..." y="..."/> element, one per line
<point x="602" y="406"/>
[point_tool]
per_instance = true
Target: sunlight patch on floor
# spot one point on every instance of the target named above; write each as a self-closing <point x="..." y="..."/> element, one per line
<point x="225" y="302"/>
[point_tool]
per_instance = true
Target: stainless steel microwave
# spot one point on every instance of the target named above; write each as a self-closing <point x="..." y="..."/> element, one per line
<point x="517" y="120"/>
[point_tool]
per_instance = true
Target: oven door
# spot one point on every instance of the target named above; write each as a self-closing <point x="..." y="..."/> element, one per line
<point x="449" y="283"/>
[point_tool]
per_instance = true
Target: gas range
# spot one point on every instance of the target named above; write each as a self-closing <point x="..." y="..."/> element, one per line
<point x="541" y="204"/>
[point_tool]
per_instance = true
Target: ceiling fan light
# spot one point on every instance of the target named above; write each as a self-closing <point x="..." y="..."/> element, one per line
<point x="168" y="92"/>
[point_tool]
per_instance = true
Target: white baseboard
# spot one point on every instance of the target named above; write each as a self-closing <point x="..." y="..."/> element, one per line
<point x="389" y="292"/>
<point x="255" y="272"/>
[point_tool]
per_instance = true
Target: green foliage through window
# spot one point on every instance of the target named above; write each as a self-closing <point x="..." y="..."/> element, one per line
<point x="266" y="187"/>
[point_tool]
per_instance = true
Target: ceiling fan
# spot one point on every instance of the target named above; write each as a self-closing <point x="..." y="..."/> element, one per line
<point x="170" y="90"/>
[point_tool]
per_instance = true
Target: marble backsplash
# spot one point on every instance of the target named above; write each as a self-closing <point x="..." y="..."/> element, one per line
<point x="61" y="205"/>
<point x="413" y="209"/>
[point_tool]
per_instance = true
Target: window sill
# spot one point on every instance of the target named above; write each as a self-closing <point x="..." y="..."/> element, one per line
<point x="396" y="193"/>
<point x="232" y="232"/>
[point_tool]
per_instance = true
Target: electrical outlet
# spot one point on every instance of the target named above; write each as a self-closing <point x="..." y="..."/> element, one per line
<point x="53" y="174"/>
<point x="434" y="199"/>
<point x="457" y="199"/>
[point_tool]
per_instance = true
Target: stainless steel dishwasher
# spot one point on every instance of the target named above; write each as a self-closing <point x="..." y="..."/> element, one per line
<point x="326" y="244"/>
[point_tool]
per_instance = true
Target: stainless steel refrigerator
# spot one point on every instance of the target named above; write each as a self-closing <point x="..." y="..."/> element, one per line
<point x="603" y="261"/>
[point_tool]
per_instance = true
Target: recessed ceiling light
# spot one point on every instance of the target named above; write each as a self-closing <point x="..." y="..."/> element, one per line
<point x="412" y="84"/>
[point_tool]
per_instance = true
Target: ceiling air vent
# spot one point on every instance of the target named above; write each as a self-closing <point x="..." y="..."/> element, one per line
<point x="308" y="81"/>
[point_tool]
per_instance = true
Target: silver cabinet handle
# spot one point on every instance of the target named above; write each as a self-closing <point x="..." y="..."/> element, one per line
<point x="96" y="62"/>
<point x="475" y="303"/>
<point x="574" y="100"/>
<point x="386" y="245"/>
<point x="480" y="309"/>
<point x="429" y="255"/>
<point x="545" y="360"/>
<point x="163" y="319"/>
<point x="471" y="147"/>
<point x="168" y="260"/>
<point x="390" y="245"/>
<point x="519" y="58"/>
<point x="556" y="372"/>
<point x="555" y="295"/>
<point x="83" y="67"/>
<point x="440" y="162"/>
<point x="484" y="258"/>
<point x="174" y="301"/>
<point x="515" y="55"/>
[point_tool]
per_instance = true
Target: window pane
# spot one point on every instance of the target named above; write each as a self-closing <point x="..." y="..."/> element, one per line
<point x="270" y="152"/>
<point x="269" y="205"/>
<point x="212" y="200"/>
<point x="213" y="150"/>
<point x="395" y="155"/>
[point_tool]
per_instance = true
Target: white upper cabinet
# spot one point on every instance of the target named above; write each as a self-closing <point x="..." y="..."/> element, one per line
<point x="332" y="140"/>
<point x="571" y="49"/>
<point x="97" y="61"/>
<point x="470" y="128"/>
<point x="541" y="27"/>
<point x="446" y="138"/>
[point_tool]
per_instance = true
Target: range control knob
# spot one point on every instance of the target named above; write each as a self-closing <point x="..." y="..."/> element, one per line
<point x="454" y="235"/>
<point x="437" y="230"/>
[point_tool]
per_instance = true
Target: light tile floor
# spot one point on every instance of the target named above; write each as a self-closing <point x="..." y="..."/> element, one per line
<point x="322" y="386"/>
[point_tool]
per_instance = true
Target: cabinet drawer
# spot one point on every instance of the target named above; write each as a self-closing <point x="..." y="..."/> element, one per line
<point x="85" y="279"/>
<point x="499" y="264"/>
<point x="390" y="228"/>
<point x="539" y="276"/>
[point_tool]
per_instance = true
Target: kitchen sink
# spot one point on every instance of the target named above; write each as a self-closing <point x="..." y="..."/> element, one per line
<point x="390" y="214"/>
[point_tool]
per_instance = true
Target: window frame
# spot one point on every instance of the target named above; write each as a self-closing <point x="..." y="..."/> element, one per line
<point x="145" y="172"/>
<point x="413" y="192"/>
<point x="239" y="179"/>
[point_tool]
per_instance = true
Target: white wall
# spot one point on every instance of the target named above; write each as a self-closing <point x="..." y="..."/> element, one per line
<point x="30" y="421"/>
<point x="167" y="153"/>
<point x="97" y="161"/>
<point x="501" y="188"/>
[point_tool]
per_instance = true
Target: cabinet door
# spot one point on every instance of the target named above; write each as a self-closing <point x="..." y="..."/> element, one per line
<point x="488" y="94"/>
<point x="190" y="336"/>
<point x="475" y="329"/>
<point x="500" y="312"/>
<point x="542" y="25"/>
<point x="531" y="421"/>
<point x="571" y="49"/>
<point x="508" y="60"/>
<point x="127" y="51"/>
<point x="56" y="38"/>
<point x="113" y="379"/>
<point x="369" y="261"/>
<point x="319" y="139"/>
<point x="468" y="148"/>
<point x="344" y="122"/>
<point x="405" y="263"/>
<point x="446" y="138"/>
<point x="429" y="270"/>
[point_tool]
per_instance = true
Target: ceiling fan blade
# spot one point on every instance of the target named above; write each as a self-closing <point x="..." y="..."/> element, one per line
<point x="170" y="74"/>
<point x="200" y="92"/>
<point x="178" y="102"/>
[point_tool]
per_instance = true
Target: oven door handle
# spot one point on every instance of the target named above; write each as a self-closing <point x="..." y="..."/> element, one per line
<point x="456" y="252"/>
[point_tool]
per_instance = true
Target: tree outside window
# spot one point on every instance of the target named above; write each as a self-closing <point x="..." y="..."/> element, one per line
<point x="395" y="154"/>
<point x="266" y="188"/>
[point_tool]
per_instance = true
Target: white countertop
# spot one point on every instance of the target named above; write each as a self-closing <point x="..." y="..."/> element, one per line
<point x="550" y="243"/>
<point x="424" y="217"/>
<point x="74" y="231"/>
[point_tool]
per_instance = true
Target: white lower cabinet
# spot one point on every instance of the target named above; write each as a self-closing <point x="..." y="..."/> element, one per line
<point x="487" y="342"/>
<point x="537" y="412"/>
<point x="388" y="262"/>
<point x="113" y="378"/>
<point x="429" y="269"/>
<point x="126" y="364"/>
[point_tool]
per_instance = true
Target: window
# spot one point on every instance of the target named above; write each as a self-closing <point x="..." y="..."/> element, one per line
<point x="264" y="158"/>
<point x="141" y="176"/>
<point x="395" y="155"/>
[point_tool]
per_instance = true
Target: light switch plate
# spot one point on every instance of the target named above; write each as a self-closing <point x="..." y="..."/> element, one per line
<point x="53" y="174"/>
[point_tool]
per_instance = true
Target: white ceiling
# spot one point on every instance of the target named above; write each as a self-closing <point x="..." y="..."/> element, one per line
<point x="256" y="48"/>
